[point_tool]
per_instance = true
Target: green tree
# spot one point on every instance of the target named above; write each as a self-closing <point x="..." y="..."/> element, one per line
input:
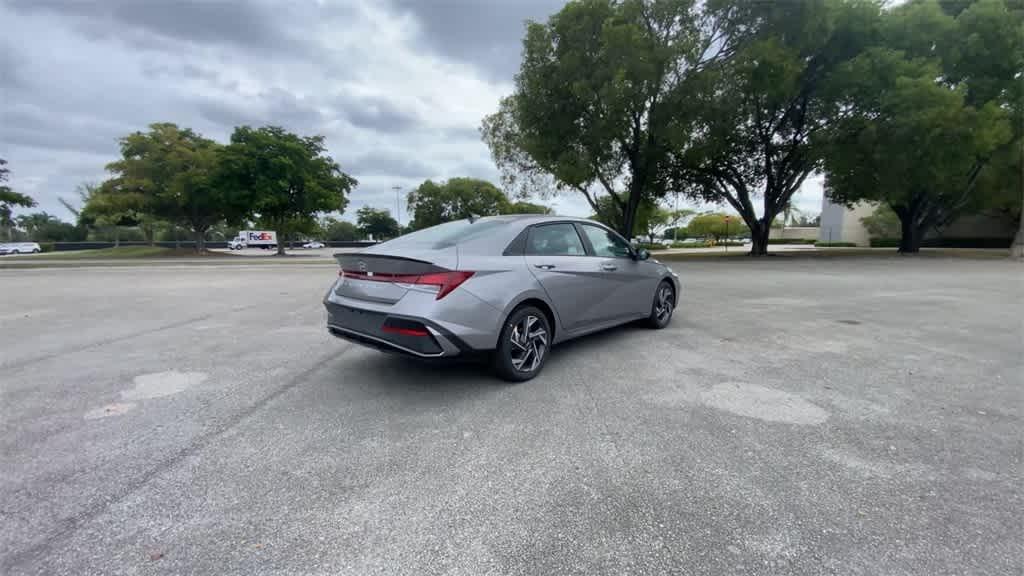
<point x="44" y="227"/>
<point x="649" y="216"/>
<point x="9" y="199"/>
<point x="602" y="90"/>
<point x="717" y="225"/>
<point x="338" y="230"/>
<point x="109" y="209"/>
<point x="376" y="223"/>
<point x="921" y="126"/>
<point x="757" y="112"/>
<point x="882" y="223"/>
<point x="167" y="174"/>
<point x="652" y="218"/>
<point x="289" y="178"/>
<point x="433" y="203"/>
<point x="523" y="207"/>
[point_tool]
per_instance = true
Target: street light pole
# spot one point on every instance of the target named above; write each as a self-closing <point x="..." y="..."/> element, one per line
<point x="398" y="204"/>
<point x="675" y="229"/>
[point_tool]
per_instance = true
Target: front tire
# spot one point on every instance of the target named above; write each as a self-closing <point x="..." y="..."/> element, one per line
<point x="663" y="306"/>
<point x="523" y="345"/>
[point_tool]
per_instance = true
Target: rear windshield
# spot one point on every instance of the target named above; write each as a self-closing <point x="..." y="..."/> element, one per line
<point x="448" y="234"/>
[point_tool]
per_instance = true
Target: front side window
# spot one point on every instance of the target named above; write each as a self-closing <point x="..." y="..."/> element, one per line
<point x="554" y="240"/>
<point x="606" y="244"/>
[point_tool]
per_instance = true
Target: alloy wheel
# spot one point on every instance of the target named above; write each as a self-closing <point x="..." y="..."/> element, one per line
<point x="529" y="340"/>
<point x="663" y="303"/>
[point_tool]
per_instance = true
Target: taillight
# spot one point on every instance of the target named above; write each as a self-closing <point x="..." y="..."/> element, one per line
<point x="445" y="281"/>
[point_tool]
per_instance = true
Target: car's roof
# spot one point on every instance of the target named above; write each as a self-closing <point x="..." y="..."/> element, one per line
<point x="535" y="218"/>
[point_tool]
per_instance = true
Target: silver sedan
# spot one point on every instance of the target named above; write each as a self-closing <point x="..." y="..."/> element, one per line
<point x="504" y="287"/>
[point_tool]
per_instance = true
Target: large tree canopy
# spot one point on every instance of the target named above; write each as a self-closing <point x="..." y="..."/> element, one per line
<point x="289" y="178"/>
<point x="433" y="203"/>
<point x="167" y="173"/>
<point x="926" y="125"/>
<point x="602" y="87"/>
<point x="756" y="113"/>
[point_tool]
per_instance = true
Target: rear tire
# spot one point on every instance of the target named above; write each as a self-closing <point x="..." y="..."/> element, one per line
<point x="663" y="306"/>
<point x="523" y="345"/>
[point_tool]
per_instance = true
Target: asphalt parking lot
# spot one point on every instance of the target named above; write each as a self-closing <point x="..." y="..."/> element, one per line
<point x="820" y="416"/>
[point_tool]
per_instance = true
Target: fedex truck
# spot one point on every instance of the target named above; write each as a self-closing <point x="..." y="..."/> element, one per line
<point x="254" y="239"/>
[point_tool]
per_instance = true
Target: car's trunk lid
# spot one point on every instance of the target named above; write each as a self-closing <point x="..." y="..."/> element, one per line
<point x="385" y="278"/>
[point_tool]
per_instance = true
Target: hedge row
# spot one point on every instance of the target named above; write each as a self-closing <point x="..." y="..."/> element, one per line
<point x="835" y="244"/>
<point x="792" y="241"/>
<point x="947" y="242"/>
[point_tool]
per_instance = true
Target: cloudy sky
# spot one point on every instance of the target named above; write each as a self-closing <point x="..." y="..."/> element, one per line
<point x="398" y="87"/>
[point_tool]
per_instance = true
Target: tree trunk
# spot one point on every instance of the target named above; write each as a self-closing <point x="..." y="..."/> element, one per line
<point x="631" y="207"/>
<point x="1017" y="248"/>
<point x="759" y="238"/>
<point x="910" y="237"/>
<point x="200" y="236"/>
<point x="280" y="240"/>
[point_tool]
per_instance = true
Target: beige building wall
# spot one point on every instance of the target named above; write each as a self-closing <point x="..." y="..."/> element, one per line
<point x="842" y="224"/>
<point x="794" y="233"/>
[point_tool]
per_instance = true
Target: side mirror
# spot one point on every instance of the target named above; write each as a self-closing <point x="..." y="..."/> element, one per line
<point x="642" y="254"/>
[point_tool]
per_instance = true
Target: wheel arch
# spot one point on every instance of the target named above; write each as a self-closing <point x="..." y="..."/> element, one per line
<point x="539" y="303"/>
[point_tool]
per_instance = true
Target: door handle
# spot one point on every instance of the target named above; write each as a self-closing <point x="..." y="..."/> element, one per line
<point x="544" y="266"/>
<point x="609" y="267"/>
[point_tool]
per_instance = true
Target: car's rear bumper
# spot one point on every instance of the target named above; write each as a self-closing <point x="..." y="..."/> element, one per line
<point x="366" y="327"/>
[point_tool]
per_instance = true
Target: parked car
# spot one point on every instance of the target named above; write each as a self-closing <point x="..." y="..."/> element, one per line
<point x="314" y="244"/>
<point x="20" y="248"/>
<point x="508" y="287"/>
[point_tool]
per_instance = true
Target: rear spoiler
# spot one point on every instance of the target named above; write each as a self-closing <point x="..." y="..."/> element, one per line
<point x="384" y="264"/>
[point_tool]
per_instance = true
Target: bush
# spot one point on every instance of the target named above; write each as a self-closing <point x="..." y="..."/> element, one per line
<point x="947" y="243"/>
<point x="650" y="247"/>
<point x="885" y="242"/>
<point x="835" y="244"/>
<point x="792" y="241"/>
<point x="47" y="246"/>
<point x="706" y="244"/>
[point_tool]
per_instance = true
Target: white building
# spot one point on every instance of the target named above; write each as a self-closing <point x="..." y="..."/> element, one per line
<point x="842" y="224"/>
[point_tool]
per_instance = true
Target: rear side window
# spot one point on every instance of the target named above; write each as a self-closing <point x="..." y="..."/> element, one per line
<point x="554" y="240"/>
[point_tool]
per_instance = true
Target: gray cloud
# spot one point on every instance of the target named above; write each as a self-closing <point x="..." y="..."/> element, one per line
<point x="275" y="106"/>
<point x="26" y="125"/>
<point x="485" y="33"/>
<point x="239" y="22"/>
<point x="376" y="113"/>
<point x="388" y="163"/>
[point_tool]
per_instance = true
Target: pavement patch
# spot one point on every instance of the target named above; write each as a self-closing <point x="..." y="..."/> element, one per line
<point x="116" y="409"/>
<point x="162" y="384"/>
<point x="763" y="403"/>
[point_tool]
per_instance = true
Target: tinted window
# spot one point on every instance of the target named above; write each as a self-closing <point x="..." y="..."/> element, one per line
<point x="606" y="244"/>
<point x="555" y="240"/>
<point x="448" y="234"/>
